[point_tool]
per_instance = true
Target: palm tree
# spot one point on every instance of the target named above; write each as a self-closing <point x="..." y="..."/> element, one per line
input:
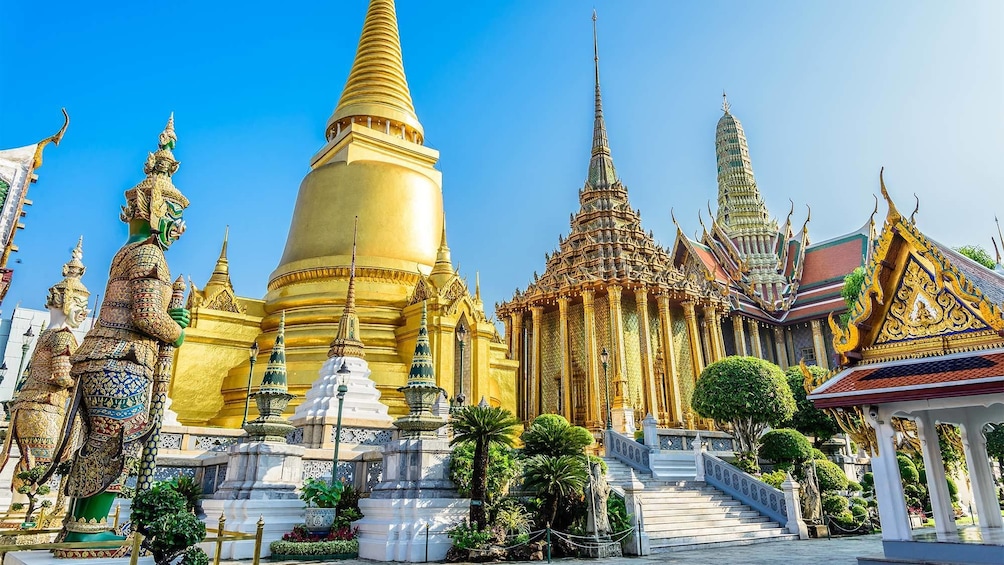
<point x="483" y="426"/>
<point x="553" y="478"/>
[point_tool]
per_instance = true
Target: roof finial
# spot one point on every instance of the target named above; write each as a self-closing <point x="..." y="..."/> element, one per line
<point x="53" y="139"/>
<point x="915" y="208"/>
<point x="725" y="103"/>
<point x="892" y="216"/>
<point x="477" y="286"/>
<point x="443" y="268"/>
<point x="997" y="251"/>
<point x="221" y="273"/>
<point x="999" y="236"/>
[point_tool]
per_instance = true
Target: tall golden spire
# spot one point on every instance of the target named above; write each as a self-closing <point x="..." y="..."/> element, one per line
<point x="376" y="93"/>
<point x="221" y="273"/>
<point x="347" y="342"/>
<point x="601" y="165"/>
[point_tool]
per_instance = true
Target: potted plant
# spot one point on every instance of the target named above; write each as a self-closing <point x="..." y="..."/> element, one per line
<point x="34" y="491"/>
<point x="321" y="498"/>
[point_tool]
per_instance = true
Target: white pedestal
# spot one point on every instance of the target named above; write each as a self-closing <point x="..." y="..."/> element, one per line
<point x="623" y="419"/>
<point x="361" y="407"/>
<point x="42" y="557"/>
<point x="262" y="470"/>
<point x="242" y="516"/>
<point x="395" y="529"/>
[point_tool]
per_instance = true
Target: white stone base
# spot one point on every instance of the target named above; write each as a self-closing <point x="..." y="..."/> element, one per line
<point x="395" y="529"/>
<point x="242" y="516"/>
<point x="42" y="557"/>
<point x="262" y="470"/>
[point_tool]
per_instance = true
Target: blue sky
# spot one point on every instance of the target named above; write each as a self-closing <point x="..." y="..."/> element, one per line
<point x="828" y="92"/>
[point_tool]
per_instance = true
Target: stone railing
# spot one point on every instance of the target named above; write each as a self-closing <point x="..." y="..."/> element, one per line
<point x="627" y="451"/>
<point x="661" y="439"/>
<point x="762" y="497"/>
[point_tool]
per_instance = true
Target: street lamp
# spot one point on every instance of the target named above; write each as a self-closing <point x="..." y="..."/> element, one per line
<point x="343" y="387"/>
<point x="604" y="357"/>
<point x="253" y="351"/>
<point x="461" y="334"/>
<point x="25" y="345"/>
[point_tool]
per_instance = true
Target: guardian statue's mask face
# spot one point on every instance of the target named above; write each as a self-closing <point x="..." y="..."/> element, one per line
<point x="171" y="225"/>
<point x="76" y="311"/>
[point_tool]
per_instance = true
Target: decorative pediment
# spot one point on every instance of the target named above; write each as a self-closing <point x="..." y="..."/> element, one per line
<point x="226" y="301"/>
<point x="915" y="301"/>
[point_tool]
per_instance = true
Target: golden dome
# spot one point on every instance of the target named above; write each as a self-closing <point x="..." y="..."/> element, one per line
<point x="400" y="215"/>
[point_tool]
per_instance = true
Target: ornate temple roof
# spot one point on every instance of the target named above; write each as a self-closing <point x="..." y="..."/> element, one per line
<point x="376" y="92"/>
<point x="606" y="243"/>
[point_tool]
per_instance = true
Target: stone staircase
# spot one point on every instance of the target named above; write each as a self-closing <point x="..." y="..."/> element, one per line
<point x="684" y="515"/>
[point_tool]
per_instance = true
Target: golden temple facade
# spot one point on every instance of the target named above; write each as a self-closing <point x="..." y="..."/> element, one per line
<point x="373" y="166"/>
<point x="746" y="286"/>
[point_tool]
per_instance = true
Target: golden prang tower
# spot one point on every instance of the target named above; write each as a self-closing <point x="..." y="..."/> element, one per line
<point x="374" y="166"/>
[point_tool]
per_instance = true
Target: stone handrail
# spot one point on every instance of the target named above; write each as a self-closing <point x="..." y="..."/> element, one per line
<point x="627" y="451"/>
<point x="762" y="497"/>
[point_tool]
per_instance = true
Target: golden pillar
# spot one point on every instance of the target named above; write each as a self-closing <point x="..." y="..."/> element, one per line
<point x="674" y="408"/>
<point x="782" y="354"/>
<point x="819" y="345"/>
<point x="593" y="418"/>
<point x="537" y="313"/>
<point x="714" y="331"/>
<point x="755" y="343"/>
<point x="565" y="386"/>
<point x="737" y="329"/>
<point x="617" y="333"/>
<point x="710" y="355"/>
<point x="720" y="312"/>
<point x="647" y="373"/>
<point x="516" y="346"/>
<point x="694" y="335"/>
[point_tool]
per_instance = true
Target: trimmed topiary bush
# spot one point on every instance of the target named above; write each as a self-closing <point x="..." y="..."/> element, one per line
<point x="907" y="469"/>
<point x="853" y="486"/>
<point x="834" y="504"/>
<point x="774" y="478"/>
<point x="336" y="548"/>
<point x="859" y="511"/>
<point x="858" y="501"/>
<point x="748" y="393"/>
<point x="818" y="455"/>
<point x="785" y="447"/>
<point x="831" y="476"/>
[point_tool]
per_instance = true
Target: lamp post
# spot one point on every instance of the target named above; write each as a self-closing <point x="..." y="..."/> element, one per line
<point x="253" y="356"/>
<point x="604" y="357"/>
<point x="461" y="334"/>
<point x="25" y="345"/>
<point x="343" y="375"/>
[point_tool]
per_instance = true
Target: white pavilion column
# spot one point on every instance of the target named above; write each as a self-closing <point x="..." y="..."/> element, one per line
<point x="888" y="482"/>
<point x="937" y="483"/>
<point x="984" y="493"/>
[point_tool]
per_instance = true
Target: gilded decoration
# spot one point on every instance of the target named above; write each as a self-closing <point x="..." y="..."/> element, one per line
<point x="550" y="361"/>
<point x="920" y="309"/>
<point x="925" y="304"/>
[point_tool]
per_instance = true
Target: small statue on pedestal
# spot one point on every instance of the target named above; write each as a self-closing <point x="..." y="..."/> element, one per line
<point x="39" y="404"/>
<point x="598" y="492"/>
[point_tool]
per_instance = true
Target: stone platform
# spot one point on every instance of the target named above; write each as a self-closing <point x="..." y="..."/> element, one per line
<point x="42" y="557"/>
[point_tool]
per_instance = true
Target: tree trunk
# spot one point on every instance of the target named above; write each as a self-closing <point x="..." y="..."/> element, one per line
<point x="479" y="485"/>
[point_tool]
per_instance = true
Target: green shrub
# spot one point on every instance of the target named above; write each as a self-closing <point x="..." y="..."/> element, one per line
<point x="321" y="494"/>
<point x="511" y="515"/>
<point x="785" y="447"/>
<point x="335" y="547"/>
<point x="188" y="488"/>
<point x="552" y="435"/>
<point x="907" y="469"/>
<point x="953" y="489"/>
<point x="620" y="519"/>
<point x="503" y="468"/>
<point x="858" y="501"/>
<point x="175" y="533"/>
<point x="747" y="392"/>
<point x="859" y="511"/>
<point x="466" y="536"/>
<point x="818" y="455"/>
<point x="868" y="483"/>
<point x="831" y="476"/>
<point x="845" y="520"/>
<point x="853" y="486"/>
<point x="834" y="504"/>
<point x="194" y="556"/>
<point x="639" y="436"/>
<point x="807" y="418"/>
<point x="153" y="504"/>
<point x="774" y="478"/>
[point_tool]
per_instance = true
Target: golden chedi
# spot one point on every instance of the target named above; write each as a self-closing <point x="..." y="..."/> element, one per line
<point x="374" y="166"/>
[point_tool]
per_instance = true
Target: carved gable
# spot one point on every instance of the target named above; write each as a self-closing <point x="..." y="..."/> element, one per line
<point x="920" y="309"/>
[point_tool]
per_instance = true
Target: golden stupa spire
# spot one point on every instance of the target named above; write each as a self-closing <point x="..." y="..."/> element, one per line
<point x="376" y="93"/>
<point x="221" y="273"/>
<point x="348" y="343"/>
<point x="601" y="164"/>
<point x="443" y="269"/>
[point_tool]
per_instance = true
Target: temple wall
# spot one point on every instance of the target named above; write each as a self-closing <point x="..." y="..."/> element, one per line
<point x="632" y="355"/>
<point x="550" y="362"/>
<point x="577" y="339"/>
<point x="684" y="361"/>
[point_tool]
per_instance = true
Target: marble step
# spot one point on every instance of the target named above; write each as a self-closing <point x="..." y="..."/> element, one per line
<point x="701" y="528"/>
<point x="711" y="521"/>
<point x="719" y="544"/>
<point x="712" y="537"/>
<point x="730" y="511"/>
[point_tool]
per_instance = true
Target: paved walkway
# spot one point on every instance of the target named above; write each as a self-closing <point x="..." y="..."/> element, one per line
<point x="838" y="551"/>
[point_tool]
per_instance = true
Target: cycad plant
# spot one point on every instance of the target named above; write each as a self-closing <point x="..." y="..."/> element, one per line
<point x="554" y="478"/>
<point x="482" y="426"/>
